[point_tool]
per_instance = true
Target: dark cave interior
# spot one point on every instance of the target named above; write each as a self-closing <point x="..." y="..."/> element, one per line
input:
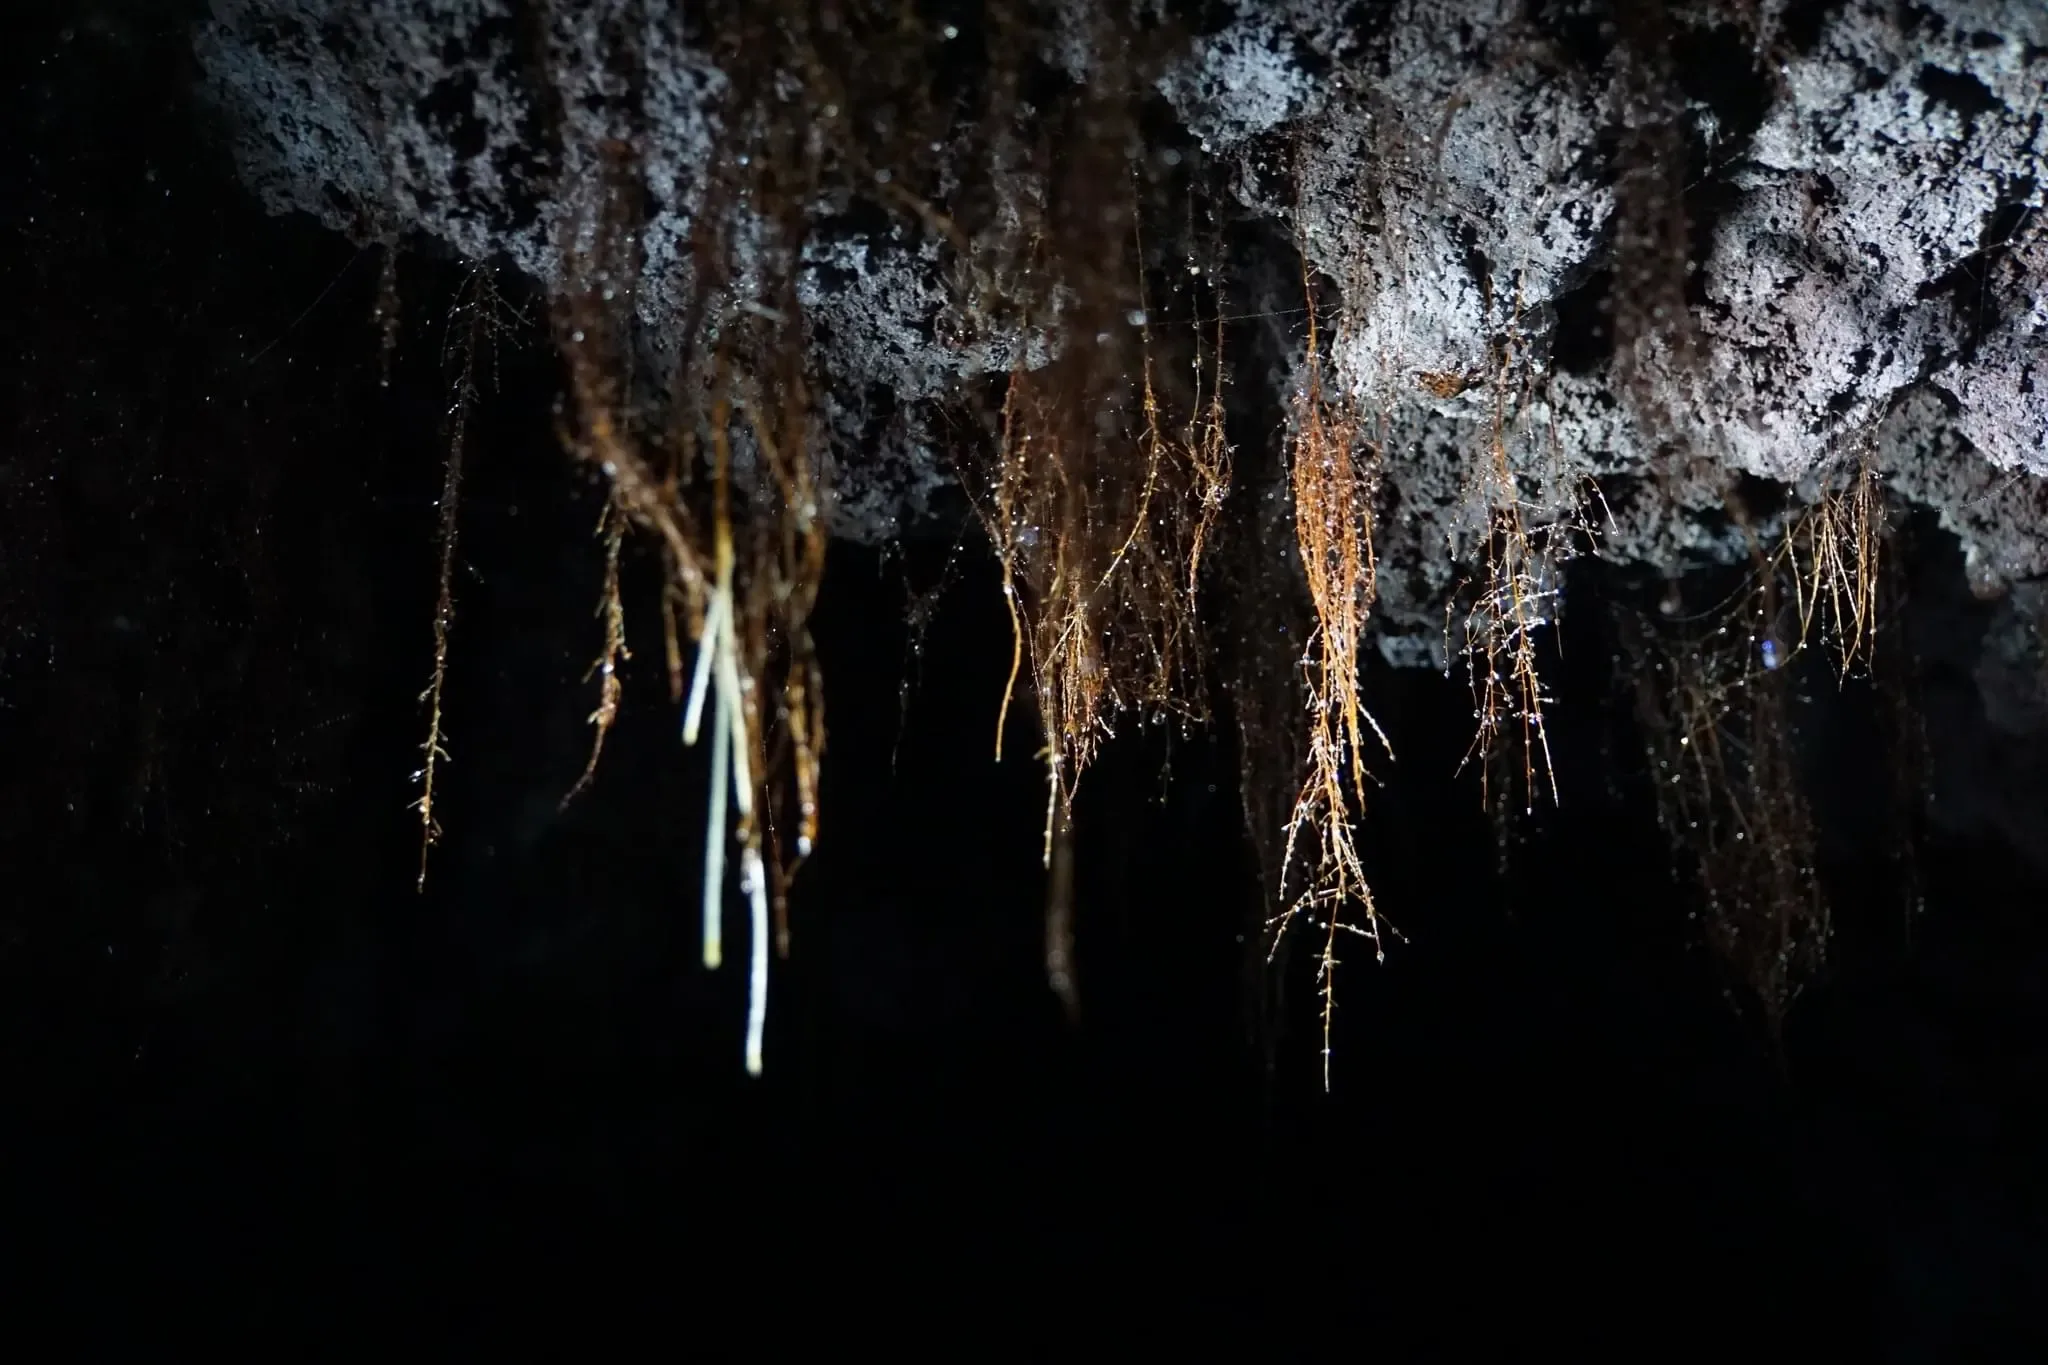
<point x="258" y="1077"/>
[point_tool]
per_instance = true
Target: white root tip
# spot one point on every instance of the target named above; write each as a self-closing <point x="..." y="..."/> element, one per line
<point x="707" y="648"/>
<point x="757" y="984"/>
<point x="714" y="837"/>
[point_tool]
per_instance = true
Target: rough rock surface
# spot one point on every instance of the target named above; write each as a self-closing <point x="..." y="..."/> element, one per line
<point x="1868" y="269"/>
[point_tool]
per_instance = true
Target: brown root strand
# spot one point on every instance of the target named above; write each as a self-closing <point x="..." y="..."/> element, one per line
<point x="435" y="749"/>
<point x="613" y="525"/>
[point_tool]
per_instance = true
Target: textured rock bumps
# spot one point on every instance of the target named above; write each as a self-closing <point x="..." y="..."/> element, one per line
<point x="1866" y="271"/>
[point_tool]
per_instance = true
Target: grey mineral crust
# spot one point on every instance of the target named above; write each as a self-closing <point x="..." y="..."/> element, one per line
<point x="1876" y="281"/>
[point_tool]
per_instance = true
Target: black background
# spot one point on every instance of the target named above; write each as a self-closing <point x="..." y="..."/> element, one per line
<point x="260" y="1089"/>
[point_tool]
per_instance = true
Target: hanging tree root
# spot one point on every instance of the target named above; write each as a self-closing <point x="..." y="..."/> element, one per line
<point x="731" y="492"/>
<point x="1714" y="721"/>
<point x="1830" y="559"/>
<point x="480" y="309"/>
<point x="613" y="527"/>
<point x="1531" y="519"/>
<point x="1715" y="709"/>
<point x="1334" y="474"/>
